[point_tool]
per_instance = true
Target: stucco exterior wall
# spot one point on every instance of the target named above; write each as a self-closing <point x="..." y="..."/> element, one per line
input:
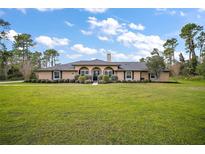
<point x="136" y="76"/>
<point x="120" y="75"/>
<point x="68" y="75"/>
<point x="44" y="75"/>
<point x="145" y="75"/>
<point x="164" y="76"/>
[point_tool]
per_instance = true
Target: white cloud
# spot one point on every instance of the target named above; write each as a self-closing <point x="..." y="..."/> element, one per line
<point x="108" y="26"/>
<point x="144" y="43"/>
<point x="22" y="10"/>
<point x="161" y="9"/>
<point x="86" y="32"/>
<point x="119" y="56"/>
<point x="182" y="13"/>
<point x="52" y="41"/>
<point x="47" y="9"/>
<point x="96" y="10"/>
<point x="198" y="16"/>
<point x="61" y="51"/>
<point x="125" y="57"/>
<point x="201" y="10"/>
<point x="73" y="56"/>
<point x="103" y="38"/>
<point x="173" y="12"/>
<point x="11" y="33"/>
<point x="136" y="27"/>
<point x="69" y="24"/>
<point x="83" y="50"/>
<point x="165" y="11"/>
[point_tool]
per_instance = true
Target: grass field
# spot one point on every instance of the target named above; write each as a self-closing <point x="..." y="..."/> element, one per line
<point x="148" y="113"/>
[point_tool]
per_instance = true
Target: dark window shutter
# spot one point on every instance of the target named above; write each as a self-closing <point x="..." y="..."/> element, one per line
<point x="124" y="75"/>
<point x="51" y="75"/>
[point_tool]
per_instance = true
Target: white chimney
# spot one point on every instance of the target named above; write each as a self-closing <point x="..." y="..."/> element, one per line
<point x="109" y="57"/>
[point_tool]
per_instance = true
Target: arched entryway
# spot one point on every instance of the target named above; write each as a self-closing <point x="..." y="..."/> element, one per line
<point x="108" y="71"/>
<point x="83" y="71"/>
<point x="96" y="71"/>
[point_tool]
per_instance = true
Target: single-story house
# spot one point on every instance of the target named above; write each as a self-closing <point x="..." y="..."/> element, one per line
<point x="123" y="70"/>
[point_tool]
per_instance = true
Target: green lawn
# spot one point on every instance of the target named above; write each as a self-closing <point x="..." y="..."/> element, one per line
<point x="148" y="113"/>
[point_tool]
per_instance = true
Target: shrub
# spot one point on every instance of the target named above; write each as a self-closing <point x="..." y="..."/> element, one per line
<point x="145" y="81"/>
<point x="43" y="81"/>
<point x="76" y="81"/>
<point x="114" y="78"/>
<point x="33" y="80"/>
<point x="82" y="79"/>
<point x="118" y="81"/>
<point x="76" y="77"/>
<point x="61" y="81"/>
<point x="88" y="81"/>
<point x="100" y="77"/>
<point x="72" y="81"/>
<point x="88" y="77"/>
<point x="55" y="81"/>
<point x="101" y="82"/>
<point x="48" y="81"/>
<point x="66" y="81"/>
<point x="106" y="78"/>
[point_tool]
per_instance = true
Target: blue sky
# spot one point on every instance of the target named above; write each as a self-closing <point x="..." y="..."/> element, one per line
<point x="77" y="34"/>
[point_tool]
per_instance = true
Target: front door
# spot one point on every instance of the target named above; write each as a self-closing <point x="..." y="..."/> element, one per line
<point x="95" y="75"/>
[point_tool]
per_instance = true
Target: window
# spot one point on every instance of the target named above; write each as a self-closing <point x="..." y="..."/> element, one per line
<point x="129" y="75"/>
<point x="108" y="72"/>
<point x="84" y="72"/>
<point x="56" y="75"/>
<point x="153" y="76"/>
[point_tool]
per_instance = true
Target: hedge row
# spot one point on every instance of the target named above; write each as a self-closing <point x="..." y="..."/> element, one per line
<point x="90" y="81"/>
<point x="50" y="81"/>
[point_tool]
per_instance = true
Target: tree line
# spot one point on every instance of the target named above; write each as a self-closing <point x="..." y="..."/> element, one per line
<point x="194" y="38"/>
<point x="21" y="62"/>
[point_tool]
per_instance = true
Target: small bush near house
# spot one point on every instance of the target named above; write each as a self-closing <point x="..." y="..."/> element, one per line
<point x="101" y="82"/>
<point x="61" y="81"/>
<point x="33" y="80"/>
<point x="88" y="81"/>
<point x="76" y="77"/>
<point x="106" y="78"/>
<point x="72" y="81"/>
<point x="100" y="77"/>
<point x="81" y="79"/>
<point x="66" y="81"/>
<point x="114" y="78"/>
<point x="54" y="81"/>
<point x="88" y="77"/>
<point x="48" y="81"/>
<point x="43" y="81"/>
